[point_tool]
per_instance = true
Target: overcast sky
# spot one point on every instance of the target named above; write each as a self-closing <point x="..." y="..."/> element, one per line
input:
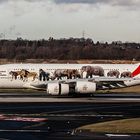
<point x="103" y="20"/>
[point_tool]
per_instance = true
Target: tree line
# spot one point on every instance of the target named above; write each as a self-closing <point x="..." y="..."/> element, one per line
<point x="65" y="49"/>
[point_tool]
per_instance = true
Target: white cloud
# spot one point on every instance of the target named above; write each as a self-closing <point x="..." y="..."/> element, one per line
<point x="111" y="2"/>
<point x="101" y="19"/>
<point x="108" y="2"/>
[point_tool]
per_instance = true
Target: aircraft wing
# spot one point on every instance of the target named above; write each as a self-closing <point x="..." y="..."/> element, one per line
<point x="101" y="82"/>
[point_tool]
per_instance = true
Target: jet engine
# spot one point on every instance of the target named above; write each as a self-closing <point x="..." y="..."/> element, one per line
<point x="84" y="87"/>
<point x="57" y="89"/>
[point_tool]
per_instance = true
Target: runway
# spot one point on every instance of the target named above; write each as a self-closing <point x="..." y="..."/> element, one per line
<point x="72" y="100"/>
<point x="46" y="117"/>
<point x="92" y="98"/>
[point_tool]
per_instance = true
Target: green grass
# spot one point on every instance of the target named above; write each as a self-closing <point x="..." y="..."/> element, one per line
<point x="125" y="126"/>
<point x="133" y="89"/>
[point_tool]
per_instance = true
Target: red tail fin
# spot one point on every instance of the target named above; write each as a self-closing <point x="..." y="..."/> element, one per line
<point x="136" y="71"/>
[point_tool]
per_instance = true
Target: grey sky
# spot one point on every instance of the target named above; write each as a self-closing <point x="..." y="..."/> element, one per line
<point x="103" y="20"/>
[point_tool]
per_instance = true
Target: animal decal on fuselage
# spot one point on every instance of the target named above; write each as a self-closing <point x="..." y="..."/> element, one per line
<point x="126" y="74"/>
<point x="28" y="74"/>
<point x="15" y="74"/>
<point x="59" y="74"/>
<point x="43" y="75"/>
<point x="24" y="74"/>
<point x="113" y="73"/>
<point x="117" y="74"/>
<point x="68" y="73"/>
<point x="92" y="70"/>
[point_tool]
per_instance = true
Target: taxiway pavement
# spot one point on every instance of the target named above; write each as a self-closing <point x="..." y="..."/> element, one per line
<point x="62" y="115"/>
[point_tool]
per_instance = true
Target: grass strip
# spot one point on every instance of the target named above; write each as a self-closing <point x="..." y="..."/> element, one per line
<point x="125" y="126"/>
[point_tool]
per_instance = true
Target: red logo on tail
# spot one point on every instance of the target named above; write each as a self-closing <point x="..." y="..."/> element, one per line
<point x="136" y="72"/>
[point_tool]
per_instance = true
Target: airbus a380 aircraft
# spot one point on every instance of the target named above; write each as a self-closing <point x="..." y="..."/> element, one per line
<point x="62" y="79"/>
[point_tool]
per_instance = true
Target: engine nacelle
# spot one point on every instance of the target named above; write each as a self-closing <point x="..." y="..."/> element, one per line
<point x="57" y="89"/>
<point x="85" y="87"/>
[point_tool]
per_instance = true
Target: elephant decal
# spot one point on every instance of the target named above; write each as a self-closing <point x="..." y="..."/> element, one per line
<point x="113" y="73"/>
<point x="92" y="70"/>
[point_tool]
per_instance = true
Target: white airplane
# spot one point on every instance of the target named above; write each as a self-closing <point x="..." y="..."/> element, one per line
<point x="47" y="77"/>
